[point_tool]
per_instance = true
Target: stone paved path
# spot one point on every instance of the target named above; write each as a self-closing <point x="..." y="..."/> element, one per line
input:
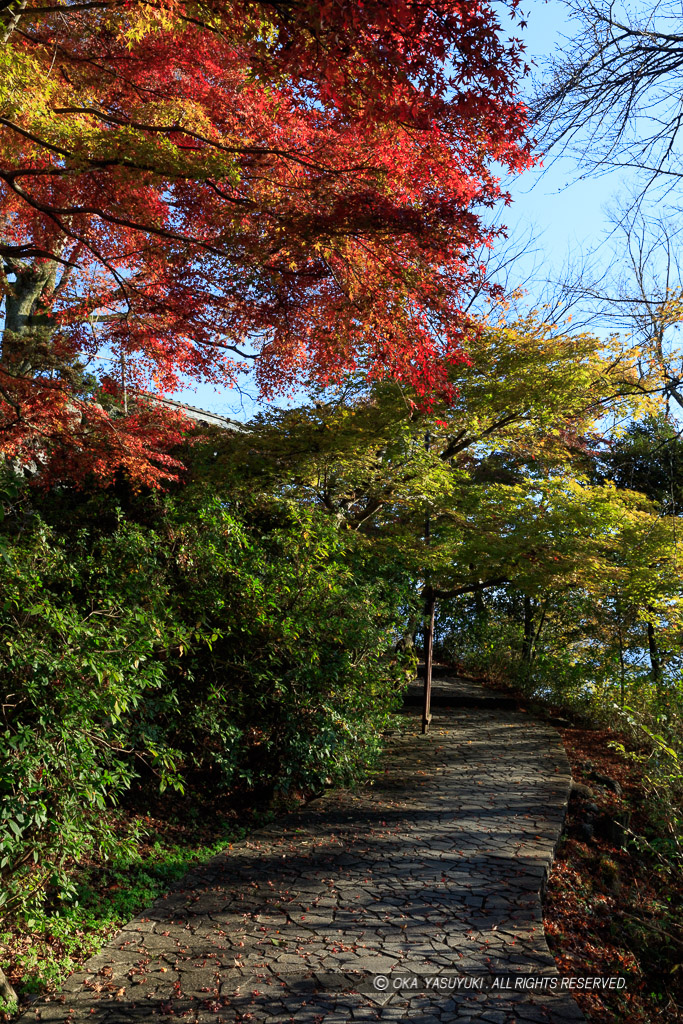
<point x="434" y="870"/>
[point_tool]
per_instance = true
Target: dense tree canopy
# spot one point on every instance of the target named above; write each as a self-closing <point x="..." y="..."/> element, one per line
<point x="648" y="458"/>
<point x="194" y="189"/>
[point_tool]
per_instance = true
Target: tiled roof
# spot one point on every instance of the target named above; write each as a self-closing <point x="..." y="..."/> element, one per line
<point x="199" y="414"/>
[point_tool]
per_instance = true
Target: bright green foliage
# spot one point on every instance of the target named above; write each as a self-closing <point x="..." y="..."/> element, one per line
<point x="296" y="688"/>
<point x="499" y="473"/>
<point x="544" y="570"/>
<point x="648" y="458"/>
<point x="189" y="643"/>
<point x="82" y="635"/>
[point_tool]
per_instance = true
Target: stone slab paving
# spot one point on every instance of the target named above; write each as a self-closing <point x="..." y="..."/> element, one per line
<point x="432" y="874"/>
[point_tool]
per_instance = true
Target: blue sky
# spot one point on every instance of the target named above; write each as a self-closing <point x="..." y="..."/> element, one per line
<point x="565" y="211"/>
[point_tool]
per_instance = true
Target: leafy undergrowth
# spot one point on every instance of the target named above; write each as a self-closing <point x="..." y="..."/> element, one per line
<point x="612" y="906"/>
<point x="43" y="951"/>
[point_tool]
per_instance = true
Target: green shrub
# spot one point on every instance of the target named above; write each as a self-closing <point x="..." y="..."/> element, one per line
<point x="79" y="653"/>
<point x="193" y="642"/>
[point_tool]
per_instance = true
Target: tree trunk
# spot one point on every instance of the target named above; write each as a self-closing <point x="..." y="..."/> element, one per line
<point x="11" y="19"/>
<point x="6" y="991"/>
<point x="622" y="670"/>
<point x="480" y="607"/>
<point x="622" y="665"/>
<point x="27" y="331"/>
<point x="655" y="663"/>
<point x="527" y="643"/>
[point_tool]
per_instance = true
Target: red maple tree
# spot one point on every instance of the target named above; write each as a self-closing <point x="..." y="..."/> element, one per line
<point x="198" y="188"/>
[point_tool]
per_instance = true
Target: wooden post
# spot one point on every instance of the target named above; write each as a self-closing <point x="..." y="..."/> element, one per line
<point x="428" y="629"/>
<point x="428" y="648"/>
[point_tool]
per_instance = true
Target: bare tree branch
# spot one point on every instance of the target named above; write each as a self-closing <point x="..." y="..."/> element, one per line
<point x="613" y="95"/>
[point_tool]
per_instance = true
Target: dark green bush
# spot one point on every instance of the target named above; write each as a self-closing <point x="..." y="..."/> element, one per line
<point x="190" y="642"/>
<point x="299" y="678"/>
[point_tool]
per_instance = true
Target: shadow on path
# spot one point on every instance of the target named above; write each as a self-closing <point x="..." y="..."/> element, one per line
<point x="430" y="876"/>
